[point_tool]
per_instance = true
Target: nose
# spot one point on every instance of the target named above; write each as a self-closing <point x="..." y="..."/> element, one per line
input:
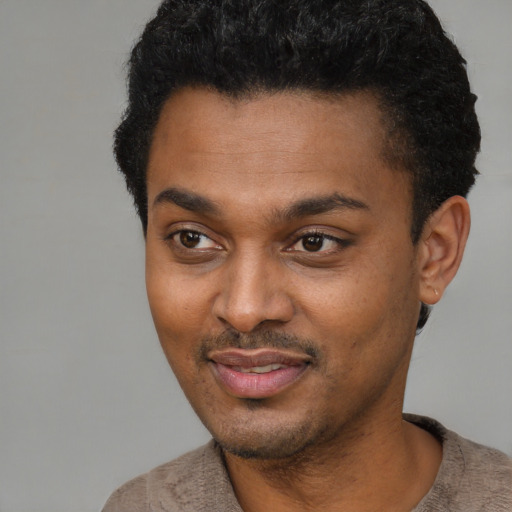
<point x="253" y="292"/>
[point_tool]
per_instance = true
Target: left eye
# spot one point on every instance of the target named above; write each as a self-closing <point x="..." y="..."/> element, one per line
<point x="316" y="242"/>
<point x="193" y="240"/>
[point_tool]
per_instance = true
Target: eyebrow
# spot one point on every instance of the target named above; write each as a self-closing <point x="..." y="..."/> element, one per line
<point x="187" y="200"/>
<point x="319" y="205"/>
<point x="302" y="208"/>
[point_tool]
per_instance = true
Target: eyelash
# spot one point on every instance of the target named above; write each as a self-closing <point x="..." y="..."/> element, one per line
<point x="340" y="242"/>
<point x="171" y="236"/>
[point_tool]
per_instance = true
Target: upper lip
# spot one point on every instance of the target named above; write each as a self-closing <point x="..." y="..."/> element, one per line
<point x="250" y="358"/>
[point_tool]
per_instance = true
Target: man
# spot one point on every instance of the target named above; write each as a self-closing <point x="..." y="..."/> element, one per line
<point x="300" y="171"/>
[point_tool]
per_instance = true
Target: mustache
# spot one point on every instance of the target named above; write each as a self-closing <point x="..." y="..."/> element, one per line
<point x="257" y="339"/>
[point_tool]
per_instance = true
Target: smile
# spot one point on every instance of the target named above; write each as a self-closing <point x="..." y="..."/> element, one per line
<point x="259" y="369"/>
<point x="259" y="373"/>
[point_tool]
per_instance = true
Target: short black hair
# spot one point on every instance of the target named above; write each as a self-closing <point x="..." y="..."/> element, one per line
<point x="396" y="49"/>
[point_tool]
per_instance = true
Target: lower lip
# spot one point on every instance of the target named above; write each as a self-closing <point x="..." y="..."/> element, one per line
<point x="257" y="385"/>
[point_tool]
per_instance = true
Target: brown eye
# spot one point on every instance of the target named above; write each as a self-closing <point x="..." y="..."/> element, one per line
<point x="313" y="243"/>
<point x="190" y="239"/>
<point x="322" y="243"/>
<point x="187" y="239"/>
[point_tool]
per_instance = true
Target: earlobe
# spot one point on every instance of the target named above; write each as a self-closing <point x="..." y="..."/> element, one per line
<point x="442" y="247"/>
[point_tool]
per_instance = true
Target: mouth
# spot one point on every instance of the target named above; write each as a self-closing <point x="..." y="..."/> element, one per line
<point x="257" y="373"/>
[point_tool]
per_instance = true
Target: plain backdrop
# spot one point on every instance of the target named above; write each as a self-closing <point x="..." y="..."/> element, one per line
<point x="86" y="398"/>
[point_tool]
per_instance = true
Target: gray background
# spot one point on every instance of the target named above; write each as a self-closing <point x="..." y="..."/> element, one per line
<point x="86" y="398"/>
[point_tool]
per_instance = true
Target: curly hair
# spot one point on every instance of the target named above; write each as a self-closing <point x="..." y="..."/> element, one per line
<point x="395" y="48"/>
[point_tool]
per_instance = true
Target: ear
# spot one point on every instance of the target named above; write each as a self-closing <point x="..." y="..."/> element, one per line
<point x="442" y="246"/>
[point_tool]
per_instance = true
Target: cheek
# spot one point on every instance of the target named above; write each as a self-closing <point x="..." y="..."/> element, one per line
<point x="180" y="306"/>
<point x="364" y="307"/>
<point x="349" y="301"/>
<point x="178" y="303"/>
<point x="174" y="324"/>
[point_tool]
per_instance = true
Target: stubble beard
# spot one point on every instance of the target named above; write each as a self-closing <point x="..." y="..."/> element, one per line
<point x="272" y="443"/>
<point x="252" y="438"/>
<point x="279" y="441"/>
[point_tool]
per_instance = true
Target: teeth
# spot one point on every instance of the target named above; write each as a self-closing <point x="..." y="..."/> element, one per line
<point x="261" y="369"/>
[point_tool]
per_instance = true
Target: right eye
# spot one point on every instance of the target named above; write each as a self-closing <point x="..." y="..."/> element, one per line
<point x="192" y="240"/>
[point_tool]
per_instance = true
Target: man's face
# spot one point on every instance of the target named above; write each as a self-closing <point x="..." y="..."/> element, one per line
<point x="280" y="270"/>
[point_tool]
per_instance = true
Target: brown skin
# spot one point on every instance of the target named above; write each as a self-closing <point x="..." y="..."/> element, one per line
<point x="334" y="438"/>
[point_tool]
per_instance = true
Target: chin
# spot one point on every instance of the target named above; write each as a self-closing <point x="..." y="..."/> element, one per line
<point x="269" y="449"/>
<point x="267" y="441"/>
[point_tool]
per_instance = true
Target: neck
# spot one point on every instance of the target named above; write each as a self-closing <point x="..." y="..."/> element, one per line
<point x="388" y="465"/>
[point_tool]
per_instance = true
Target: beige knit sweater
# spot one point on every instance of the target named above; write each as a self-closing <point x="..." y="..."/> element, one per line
<point x="471" y="478"/>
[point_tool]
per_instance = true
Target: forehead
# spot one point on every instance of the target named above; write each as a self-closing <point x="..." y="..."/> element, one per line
<point x="272" y="146"/>
<point x="294" y="121"/>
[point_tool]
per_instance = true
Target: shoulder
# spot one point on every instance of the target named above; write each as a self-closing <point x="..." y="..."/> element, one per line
<point x="472" y="477"/>
<point x="487" y="474"/>
<point x="187" y="483"/>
